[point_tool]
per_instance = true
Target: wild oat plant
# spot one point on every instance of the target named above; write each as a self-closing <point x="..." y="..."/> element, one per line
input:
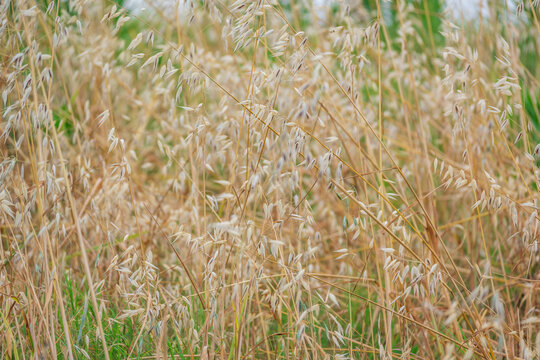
<point x="269" y="180"/>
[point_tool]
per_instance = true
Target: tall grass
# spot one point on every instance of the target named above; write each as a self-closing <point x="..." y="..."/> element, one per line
<point x="269" y="180"/>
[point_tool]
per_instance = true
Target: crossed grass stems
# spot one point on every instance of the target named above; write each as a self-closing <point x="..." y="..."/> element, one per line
<point x="471" y="312"/>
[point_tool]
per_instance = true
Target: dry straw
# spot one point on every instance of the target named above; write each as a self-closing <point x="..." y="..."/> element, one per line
<point x="269" y="179"/>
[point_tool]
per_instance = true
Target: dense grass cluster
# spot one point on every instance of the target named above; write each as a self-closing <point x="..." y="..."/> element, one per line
<point x="269" y="179"/>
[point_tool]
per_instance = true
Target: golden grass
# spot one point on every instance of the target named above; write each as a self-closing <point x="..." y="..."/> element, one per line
<point x="269" y="179"/>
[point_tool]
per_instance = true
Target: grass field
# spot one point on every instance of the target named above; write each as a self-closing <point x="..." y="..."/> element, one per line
<point x="269" y="180"/>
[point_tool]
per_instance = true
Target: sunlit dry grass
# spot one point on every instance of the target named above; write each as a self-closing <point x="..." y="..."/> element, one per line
<point x="264" y="180"/>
